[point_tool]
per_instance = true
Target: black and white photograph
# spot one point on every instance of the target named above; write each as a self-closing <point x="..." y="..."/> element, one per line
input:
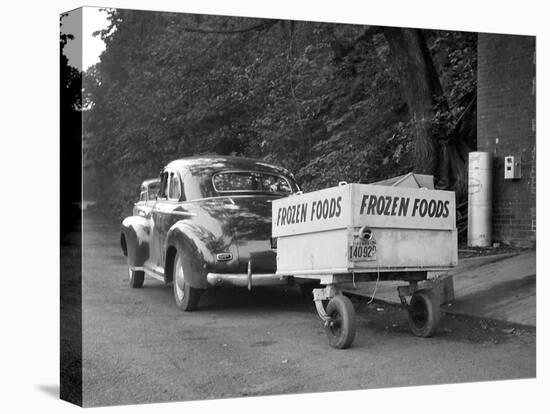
<point x="259" y="193"/>
<point x="267" y="205"/>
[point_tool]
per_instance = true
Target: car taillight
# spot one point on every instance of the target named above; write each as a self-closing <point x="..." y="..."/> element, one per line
<point x="274" y="242"/>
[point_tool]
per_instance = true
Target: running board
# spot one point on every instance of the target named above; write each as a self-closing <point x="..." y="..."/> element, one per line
<point x="156" y="273"/>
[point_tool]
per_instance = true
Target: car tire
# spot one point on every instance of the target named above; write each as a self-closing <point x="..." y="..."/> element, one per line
<point x="135" y="277"/>
<point x="424" y="313"/>
<point x="340" y="329"/>
<point x="186" y="297"/>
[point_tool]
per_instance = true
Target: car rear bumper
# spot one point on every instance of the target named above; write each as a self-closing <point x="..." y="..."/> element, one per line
<point x="246" y="279"/>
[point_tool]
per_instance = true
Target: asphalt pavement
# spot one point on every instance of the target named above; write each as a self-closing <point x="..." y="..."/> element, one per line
<point x="138" y="347"/>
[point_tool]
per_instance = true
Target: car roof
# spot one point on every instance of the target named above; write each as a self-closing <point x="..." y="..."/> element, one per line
<point x="215" y="163"/>
<point x="151" y="181"/>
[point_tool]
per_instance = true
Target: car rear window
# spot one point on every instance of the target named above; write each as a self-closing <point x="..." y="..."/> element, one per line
<point x="250" y="181"/>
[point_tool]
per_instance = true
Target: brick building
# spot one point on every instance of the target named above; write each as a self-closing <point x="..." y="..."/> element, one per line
<point x="506" y="126"/>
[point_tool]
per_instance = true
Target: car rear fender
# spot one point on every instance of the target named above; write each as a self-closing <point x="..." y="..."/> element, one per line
<point x="135" y="234"/>
<point x="190" y="241"/>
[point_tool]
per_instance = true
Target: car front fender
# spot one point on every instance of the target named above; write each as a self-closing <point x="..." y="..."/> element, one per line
<point x="135" y="239"/>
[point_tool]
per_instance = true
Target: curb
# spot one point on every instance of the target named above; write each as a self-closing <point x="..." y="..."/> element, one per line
<point x="447" y="312"/>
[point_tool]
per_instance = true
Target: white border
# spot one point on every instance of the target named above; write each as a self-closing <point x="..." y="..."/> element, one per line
<point x="30" y="126"/>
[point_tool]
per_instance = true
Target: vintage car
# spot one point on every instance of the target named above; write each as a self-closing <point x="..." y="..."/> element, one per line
<point x="148" y="191"/>
<point x="210" y="225"/>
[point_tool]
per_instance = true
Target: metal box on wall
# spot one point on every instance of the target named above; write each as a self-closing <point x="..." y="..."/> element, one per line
<point x="365" y="228"/>
<point x="512" y="168"/>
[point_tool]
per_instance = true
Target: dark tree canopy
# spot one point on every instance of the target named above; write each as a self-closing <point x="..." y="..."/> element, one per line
<point x="330" y="102"/>
<point x="70" y="130"/>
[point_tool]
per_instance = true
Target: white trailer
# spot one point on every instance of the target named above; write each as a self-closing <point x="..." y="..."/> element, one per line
<point x="366" y="232"/>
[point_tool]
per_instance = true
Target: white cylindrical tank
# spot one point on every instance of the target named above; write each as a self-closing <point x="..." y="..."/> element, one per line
<point x="480" y="200"/>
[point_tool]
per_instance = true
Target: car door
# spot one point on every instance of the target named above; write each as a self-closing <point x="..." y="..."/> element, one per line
<point x="156" y="220"/>
<point x="166" y="212"/>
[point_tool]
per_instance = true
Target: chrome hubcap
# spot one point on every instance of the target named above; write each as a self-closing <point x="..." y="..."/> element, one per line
<point x="179" y="279"/>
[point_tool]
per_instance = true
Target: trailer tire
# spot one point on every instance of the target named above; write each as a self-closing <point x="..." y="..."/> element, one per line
<point x="424" y="313"/>
<point x="340" y="329"/>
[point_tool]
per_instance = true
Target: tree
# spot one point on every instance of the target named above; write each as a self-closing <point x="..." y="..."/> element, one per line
<point x="326" y="101"/>
<point x="438" y="150"/>
<point x="421" y="90"/>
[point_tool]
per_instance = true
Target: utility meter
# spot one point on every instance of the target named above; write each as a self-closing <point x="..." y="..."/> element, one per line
<point x="512" y="167"/>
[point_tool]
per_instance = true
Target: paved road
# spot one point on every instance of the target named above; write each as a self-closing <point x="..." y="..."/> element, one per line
<point x="137" y="347"/>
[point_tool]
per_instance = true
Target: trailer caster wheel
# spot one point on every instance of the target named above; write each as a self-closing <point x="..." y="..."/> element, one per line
<point x="424" y="313"/>
<point x="340" y="328"/>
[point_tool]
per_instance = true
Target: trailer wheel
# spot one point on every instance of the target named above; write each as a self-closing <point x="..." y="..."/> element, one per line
<point x="424" y="313"/>
<point x="340" y="329"/>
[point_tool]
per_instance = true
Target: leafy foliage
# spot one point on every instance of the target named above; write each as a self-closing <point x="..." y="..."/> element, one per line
<point x="320" y="99"/>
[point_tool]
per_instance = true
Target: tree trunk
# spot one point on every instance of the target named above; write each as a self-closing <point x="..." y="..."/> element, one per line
<point x="462" y="140"/>
<point x="421" y="88"/>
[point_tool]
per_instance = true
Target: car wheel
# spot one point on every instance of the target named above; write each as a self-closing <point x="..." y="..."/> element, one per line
<point x="186" y="297"/>
<point x="135" y="277"/>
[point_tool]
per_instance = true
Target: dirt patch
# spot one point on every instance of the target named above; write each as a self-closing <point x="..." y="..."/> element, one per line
<point x="465" y="252"/>
<point x="393" y="319"/>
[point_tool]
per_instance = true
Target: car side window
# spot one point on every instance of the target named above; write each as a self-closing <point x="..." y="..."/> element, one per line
<point x="174" y="189"/>
<point x="152" y="191"/>
<point x="163" y="185"/>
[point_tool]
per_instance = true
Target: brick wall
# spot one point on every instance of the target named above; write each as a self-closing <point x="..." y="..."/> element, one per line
<point x="506" y="126"/>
